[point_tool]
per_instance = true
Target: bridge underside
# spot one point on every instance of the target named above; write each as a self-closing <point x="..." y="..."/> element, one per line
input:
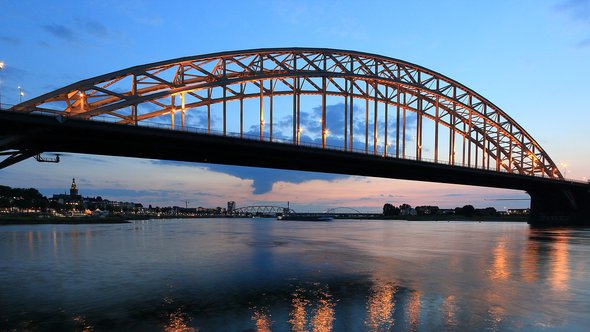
<point x="552" y="201"/>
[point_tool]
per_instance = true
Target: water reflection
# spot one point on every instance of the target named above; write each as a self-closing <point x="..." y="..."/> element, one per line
<point x="243" y="276"/>
<point x="413" y="310"/>
<point x="530" y="261"/>
<point x="380" y="307"/>
<point x="177" y="320"/>
<point x="82" y="325"/>
<point x="262" y="319"/>
<point x="298" y="315"/>
<point x="324" y="314"/>
<point x="317" y="305"/>
<point x="450" y="311"/>
<point x="496" y="315"/>
<point x="500" y="269"/>
<point x="560" y="267"/>
<point x="550" y="251"/>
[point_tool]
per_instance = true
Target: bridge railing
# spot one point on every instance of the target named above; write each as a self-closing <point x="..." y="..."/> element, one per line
<point x="279" y="140"/>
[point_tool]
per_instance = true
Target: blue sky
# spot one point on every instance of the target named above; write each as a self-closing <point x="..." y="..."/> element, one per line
<point x="531" y="58"/>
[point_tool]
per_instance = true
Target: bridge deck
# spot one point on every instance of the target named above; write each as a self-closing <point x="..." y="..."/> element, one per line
<point x="38" y="133"/>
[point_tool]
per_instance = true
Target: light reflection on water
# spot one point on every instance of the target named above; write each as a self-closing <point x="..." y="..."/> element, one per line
<point x="380" y="307"/>
<point x="264" y="275"/>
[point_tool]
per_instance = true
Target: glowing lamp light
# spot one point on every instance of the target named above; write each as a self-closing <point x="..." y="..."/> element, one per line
<point x="21" y="93"/>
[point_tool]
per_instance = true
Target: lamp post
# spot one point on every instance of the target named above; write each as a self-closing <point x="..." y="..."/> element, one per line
<point x="565" y="169"/>
<point x="1" y="67"/>
<point x="21" y="93"/>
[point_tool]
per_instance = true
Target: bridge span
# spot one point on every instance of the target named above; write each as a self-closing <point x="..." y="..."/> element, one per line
<point x="306" y="109"/>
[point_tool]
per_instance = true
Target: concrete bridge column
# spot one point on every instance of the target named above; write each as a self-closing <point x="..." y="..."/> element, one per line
<point x="555" y="206"/>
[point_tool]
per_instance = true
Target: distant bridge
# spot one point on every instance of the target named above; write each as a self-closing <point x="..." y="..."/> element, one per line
<point x="261" y="210"/>
<point x="310" y="109"/>
<point x="343" y="210"/>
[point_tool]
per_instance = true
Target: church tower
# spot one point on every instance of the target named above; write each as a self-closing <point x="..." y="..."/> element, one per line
<point x="74" y="189"/>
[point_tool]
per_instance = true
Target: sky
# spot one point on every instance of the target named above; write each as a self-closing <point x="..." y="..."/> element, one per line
<point x="530" y="58"/>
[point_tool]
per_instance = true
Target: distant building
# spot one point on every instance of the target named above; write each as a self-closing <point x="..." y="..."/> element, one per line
<point x="407" y="210"/>
<point x="518" y="212"/>
<point x="426" y="210"/>
<point x="74" y="190"/>
<point x="93" y="203"/>
<point x="231" y="206"/>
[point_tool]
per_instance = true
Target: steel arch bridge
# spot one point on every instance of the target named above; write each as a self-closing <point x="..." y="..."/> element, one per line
<point x="396" y="108"/>
<point x="377" y="116"/>
<point x="342" y="209"/>
<point x="262" y="210"/>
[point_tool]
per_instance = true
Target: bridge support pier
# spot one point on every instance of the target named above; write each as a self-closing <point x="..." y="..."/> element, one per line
<point x="555" y="207"/>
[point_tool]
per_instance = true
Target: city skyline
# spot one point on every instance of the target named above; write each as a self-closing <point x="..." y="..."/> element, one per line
<point x="515" y="80"/>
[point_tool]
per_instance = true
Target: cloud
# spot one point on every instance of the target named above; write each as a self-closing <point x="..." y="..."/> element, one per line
<point x="95" y="29"/>
<point x="264" y="179"/>
<point x="584" y="43"/>
<point x="578" y="9"/>
<point x="312" y="127"/>
<point x="83" y="29"/>
<point x="93" y="159"/>
<point x="10" y="40"/>
<point x="60" y="31"/>
<point x="198" y="119"/>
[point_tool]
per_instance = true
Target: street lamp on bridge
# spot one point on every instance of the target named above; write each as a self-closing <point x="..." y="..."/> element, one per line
<point x="21" y="93"/>
<point x="1" y="68"/>
<point x="565" y="169"/>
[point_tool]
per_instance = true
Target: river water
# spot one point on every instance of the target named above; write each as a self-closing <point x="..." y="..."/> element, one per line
<point x="264" y="274"/>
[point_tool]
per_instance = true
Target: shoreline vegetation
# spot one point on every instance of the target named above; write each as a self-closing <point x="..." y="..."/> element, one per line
<point x="122" y="219"/>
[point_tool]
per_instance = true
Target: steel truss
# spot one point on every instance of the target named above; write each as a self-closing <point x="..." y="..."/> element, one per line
<point x="387" y="88"/>
<point x="262" y="210"/>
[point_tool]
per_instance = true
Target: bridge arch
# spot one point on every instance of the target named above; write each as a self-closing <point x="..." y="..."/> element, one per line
<point x="343" y="210"/>
<point x="478" y="134"/>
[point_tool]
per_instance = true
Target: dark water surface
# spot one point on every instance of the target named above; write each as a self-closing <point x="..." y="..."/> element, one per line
<point x="263" y="274"/>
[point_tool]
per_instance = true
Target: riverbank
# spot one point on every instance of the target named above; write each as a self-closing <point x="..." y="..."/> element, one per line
<point x="22" y="220"/>
<point x="112" y="219"/>
<point x="452" y="217"/>
<point x="122" y="219"/>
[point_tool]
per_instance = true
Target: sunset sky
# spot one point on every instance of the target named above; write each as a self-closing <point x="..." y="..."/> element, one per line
<point x="530" y="58"/>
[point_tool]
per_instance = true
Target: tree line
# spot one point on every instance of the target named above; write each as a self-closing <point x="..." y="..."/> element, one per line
<point x="406" y="209"/>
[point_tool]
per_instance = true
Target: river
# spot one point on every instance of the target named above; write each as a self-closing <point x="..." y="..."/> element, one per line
<point x="268" y="275"/>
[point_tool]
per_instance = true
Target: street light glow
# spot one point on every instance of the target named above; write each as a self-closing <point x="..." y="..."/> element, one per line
<point x="21" y="93"/>
<point x="1" y="67"/>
